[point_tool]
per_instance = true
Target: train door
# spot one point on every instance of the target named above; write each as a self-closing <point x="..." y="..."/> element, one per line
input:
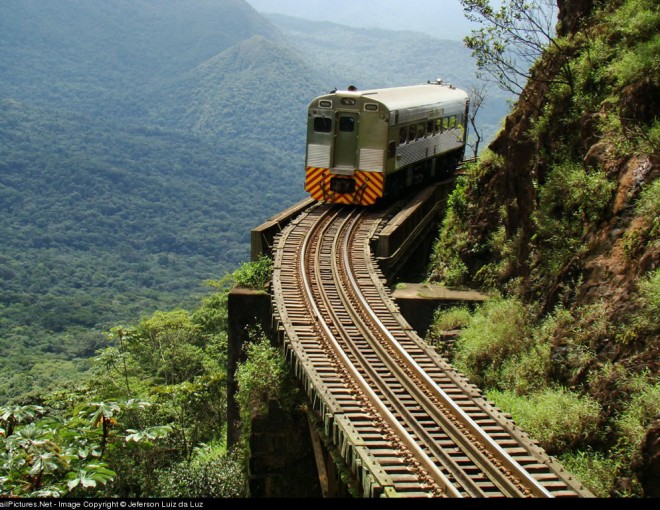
<point x="346" y="142"/>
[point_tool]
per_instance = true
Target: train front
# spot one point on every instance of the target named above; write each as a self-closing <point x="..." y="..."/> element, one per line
<point x="346" y="148"/>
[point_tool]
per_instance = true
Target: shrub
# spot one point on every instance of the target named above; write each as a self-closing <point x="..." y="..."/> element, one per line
<point x="498" y="330"/>
<point x="571" y="202"/>
<point x="643" y="321"/>
<point x="527" y="371"/>
<point x="260" y="378"/>
<point x="633" y="424"/>
<point x="453" y="318"/>
<point x="596" y="471"/>
<point x="255" y="275"/>
<point x="559" y="419"/>
<point x="446" y="264"/>
<point x="212" y="473"/>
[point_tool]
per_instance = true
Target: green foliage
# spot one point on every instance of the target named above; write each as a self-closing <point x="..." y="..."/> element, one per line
<point x="46" y="455"/>
<point x="212" y="473"/>
<point x="576" y="192"/>
<point x="648" y="210"/>
<point x="571" y="203"/>
<point x="633" y="423"/>
<point x="256" y="274"/>
<point x="451" y="318"/>
<point x="516" y="359"/>
<point x="177" y="360"/>
<point x="636" y="24"/>
<point x="261" y="378"/>
<point x="597" y="471"/>
<point x="577" y="334"/>
<point x="499" y="329"/>
<point x="446" y="264"/>
<point x="527" y="371"/>
<point x="560" y="419"/>
<point x="643" y="320"/>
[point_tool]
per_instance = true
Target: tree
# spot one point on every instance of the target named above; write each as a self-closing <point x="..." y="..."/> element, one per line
<point x="44" y="455"/>
<point x="512" y="40"/>
<point x="477" y="99"/>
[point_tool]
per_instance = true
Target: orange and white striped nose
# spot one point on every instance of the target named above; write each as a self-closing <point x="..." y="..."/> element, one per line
<point x="362" y="188"/>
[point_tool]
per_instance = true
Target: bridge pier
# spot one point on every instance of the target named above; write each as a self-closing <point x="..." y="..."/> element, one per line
<point x="282" y="459"/>
<point x="418" y="302"/>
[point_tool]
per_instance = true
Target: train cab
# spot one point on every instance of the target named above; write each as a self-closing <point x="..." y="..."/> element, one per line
<point x="365" y="145"/>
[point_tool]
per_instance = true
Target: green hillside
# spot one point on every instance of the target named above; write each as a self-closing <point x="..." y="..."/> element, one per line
<point x="106" y="57"/>
<point x="255" y="90"/>
<point x="102" y="224"/>
<point x="372" y="58"/>
<point x="108" y="213"/>
<point x="141" y="141"/>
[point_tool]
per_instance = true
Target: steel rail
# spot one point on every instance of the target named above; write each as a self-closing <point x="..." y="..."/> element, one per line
<point x="467" y="483"/>
<point x="509" y="467"/>
<point x="431" y="468"/>
<point x="410" y="379"/>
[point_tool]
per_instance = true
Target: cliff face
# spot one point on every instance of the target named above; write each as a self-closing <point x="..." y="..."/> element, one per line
<point x="571" y="181"/>
<point x="608" y="273"/>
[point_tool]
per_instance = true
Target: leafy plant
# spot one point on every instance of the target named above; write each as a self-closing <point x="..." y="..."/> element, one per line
<point x="560" y="419"/>
<point x="452" y="318"/>
<point x="211" y="473"/>
<point x="48" y="456"/>
<point x="499" y="329"/>
<point x="256" y="274"/>
<point x="260" y="378"/>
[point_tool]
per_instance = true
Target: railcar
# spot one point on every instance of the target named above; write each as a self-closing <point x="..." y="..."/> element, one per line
<point x="364" y="146"/>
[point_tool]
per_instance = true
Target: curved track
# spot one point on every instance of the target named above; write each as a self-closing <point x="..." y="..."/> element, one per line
<point x="405" y="421"/>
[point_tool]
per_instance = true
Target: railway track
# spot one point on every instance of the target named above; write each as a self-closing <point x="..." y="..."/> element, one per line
<point x="406" y="423"/>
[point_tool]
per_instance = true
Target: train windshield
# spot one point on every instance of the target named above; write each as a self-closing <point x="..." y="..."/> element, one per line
<point x="347" y="124"/>
<point x="322" y="124"/>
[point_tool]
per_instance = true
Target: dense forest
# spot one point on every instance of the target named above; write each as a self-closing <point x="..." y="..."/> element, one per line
<point x="140" y="142"/>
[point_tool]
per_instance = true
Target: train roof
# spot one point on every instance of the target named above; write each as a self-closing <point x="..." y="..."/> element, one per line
<point x="411" y="96"/>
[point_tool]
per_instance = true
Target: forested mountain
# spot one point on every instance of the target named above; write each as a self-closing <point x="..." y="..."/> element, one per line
<point x="142" y="140"/>
<point x="372" y="58"/>
<point x="255" y="90"/>
<point x="108" y="213"/>
<point x="106" y="57"/>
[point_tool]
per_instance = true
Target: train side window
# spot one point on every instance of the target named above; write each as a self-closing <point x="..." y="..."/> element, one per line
<point x="322" y="124"/>
<point x="347" y="124"/>
<point x="412" y="130"/>
<point x="403" y="135"/>
<point x="391" y="149"/>
<point x="429" y="128"/>
<point x="438" y="126"/>
<point x="420" y="131"/>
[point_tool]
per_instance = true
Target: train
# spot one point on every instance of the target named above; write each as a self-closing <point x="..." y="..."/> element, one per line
<point x="365" y="146"/>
